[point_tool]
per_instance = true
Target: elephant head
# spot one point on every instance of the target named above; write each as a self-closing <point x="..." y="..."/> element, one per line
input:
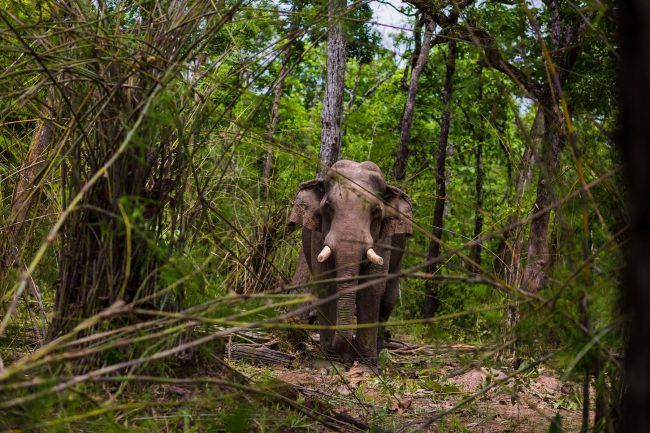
<point x="355" y="214"/>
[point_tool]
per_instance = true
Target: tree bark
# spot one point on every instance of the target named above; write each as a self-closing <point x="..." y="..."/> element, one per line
<point x="332" y="116"/>
<point x="431" y="300"/>
<point x="507" y="263"/>
<point x="417" y="40"/>
<point x="478" y="214"/>
<point x="567" y="44"/>
<point x="538" y="250"/>
<point x="25" y="192"/>
<point x="399" y="171"/>
<point x="275" y="115"/>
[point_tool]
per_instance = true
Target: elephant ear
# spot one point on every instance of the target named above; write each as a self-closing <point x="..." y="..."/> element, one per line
<point x="398" y="215"/>
<point x="305" y="211"/>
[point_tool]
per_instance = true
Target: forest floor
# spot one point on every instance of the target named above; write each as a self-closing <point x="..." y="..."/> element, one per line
<point x="451" y="388"/>
<point x="435" y="388"/>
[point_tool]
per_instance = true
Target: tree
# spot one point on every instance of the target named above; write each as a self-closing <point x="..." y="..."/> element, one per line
<point x="560" y="50"/>
<point x="332" y="115"/>
<point x="399" y="171"/>
<point x="26" y="192"/>
<point x="480" y="136"/>
<point x="285" y="59"/>
<point x="116" y="185"/>
<point x="431" y="301"/>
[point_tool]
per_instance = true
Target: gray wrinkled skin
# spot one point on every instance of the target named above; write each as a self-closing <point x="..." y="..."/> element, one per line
<point x="351" y="210"/>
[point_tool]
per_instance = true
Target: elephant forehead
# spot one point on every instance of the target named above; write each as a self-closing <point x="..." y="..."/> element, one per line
<point x="353" y="194"/>
<point x="360" y="178"/>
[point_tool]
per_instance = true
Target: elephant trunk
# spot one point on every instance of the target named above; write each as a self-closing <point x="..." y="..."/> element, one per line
<point x="349" y="249"/>
<point x="346" y="305"/>
<point x="345" y="313"/>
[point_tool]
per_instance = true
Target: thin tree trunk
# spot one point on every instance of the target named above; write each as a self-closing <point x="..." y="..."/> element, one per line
<point x="25" y="192"/>
<point x="586" y="323"/>
<point x="275" y="115"/>
<point x="332" y="116"/>
<point x="508" y="258"/>
<point x="399" y="171"/>
<point x="507" y="263"/>
<point x="431" y="301"/>
<point x="277" y="97"/>
<point x="538" y="250"/>
<point x="478" y="214"/>
<point x="417" y="39"/>
<point x="567" y="42"/>
<point x="353" y="98"/>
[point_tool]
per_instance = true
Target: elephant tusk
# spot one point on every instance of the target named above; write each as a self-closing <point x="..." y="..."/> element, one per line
<point x="324" y="254"/>
<point x="374" y="257"/>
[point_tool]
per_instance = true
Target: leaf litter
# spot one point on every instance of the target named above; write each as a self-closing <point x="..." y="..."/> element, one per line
<point x="412" y="388"/>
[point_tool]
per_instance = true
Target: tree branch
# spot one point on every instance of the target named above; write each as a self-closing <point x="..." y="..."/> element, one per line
<point x="479" y="38"/>
<point x="494" y="59"/>
<point x="428" y="8"/>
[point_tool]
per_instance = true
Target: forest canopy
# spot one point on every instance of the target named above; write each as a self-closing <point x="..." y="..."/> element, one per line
<point x="151" y="153"/>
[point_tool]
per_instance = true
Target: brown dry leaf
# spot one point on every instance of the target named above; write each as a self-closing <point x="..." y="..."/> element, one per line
<point x="173" y="389"/>
<point x="355" y="375"/>
<point x="461" y="346"/>
<point x="400" y="405"/>
<point x="296" y="377"/>
<point x="343" y="390"/>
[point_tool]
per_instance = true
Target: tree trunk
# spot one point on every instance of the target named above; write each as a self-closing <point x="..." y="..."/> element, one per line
<point x="507" y="263"/>
<point x="417" y="39"/>
<point x="478" y="214"/>
<point x="275" y="114"/>
<point x="277" y="97"/>
<point x="431" y="300"/>
<point x="634" y="143"/>
<point x="25" y="192"/>
<point x="567" y="40"/>
<point x="399" y="171"/>
<point x="332" y="116"/>
<point x="538" y="251"/>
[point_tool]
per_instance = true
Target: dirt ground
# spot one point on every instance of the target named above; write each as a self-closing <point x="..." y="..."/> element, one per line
<point x="437" y="389"/>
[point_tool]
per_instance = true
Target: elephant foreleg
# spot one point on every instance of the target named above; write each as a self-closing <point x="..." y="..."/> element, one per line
<point x="368" y="306"/>
<point x="365" y="342"/>
<point x="326" y="314"/>
<point x="389" y="298"/>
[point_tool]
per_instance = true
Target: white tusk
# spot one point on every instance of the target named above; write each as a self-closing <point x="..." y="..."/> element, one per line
<point x="324" y="254"/>
<point x="374" y="257"/>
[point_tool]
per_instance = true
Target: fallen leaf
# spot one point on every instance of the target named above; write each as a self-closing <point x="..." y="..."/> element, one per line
<point x="462" y="346"/>
<point x="401" y="405"/>
<point x="343" y="390"/>
<point x="174" y="389"/>
<point x="355" y="375"/>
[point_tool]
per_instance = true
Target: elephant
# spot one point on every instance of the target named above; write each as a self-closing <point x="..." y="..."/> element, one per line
<point x="354" y="229"/>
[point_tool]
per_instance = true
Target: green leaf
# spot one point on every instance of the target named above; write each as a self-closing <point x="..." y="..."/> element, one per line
<point x="556" y="424"/>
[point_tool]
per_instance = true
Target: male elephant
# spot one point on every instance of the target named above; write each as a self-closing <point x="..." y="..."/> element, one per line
<point x="353" y="233"/>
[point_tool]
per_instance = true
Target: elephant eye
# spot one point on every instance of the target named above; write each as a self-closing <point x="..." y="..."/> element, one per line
<point x="376" y="209"/>
<point x="327" y="207"/>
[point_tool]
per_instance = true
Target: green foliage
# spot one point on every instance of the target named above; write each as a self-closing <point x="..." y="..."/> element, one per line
<point x="556" y="424"/>
<point x="213" y="250"/>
